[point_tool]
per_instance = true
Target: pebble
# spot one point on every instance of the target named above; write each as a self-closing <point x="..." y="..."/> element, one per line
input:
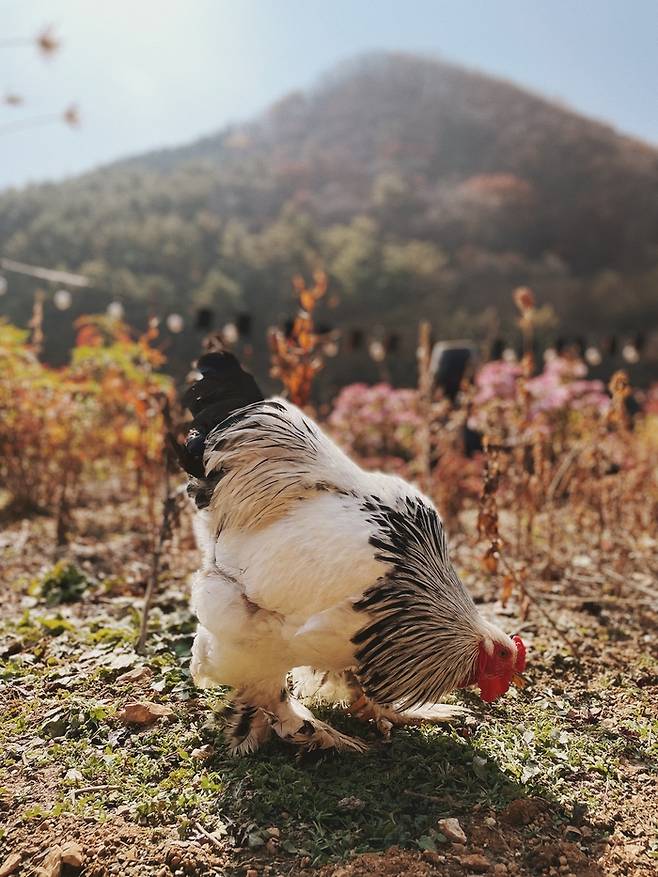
<point x="500" y="868"/>
<point x="452" y="830"/>
<point x="490" y="822"/>
<point x="475" y="862"/>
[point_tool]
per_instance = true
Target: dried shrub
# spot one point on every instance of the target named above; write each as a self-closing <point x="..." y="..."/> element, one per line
<point x="92" y="426"/>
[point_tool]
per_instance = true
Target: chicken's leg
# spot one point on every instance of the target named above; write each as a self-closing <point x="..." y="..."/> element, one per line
<point x="257" y="712"/>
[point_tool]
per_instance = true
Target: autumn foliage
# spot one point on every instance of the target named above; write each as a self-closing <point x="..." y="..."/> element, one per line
<point x="94" y="425"/>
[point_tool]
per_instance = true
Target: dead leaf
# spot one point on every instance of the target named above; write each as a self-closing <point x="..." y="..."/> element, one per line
<point x="506" y="589"/>
<point x="138" y="674"/>
<point x="10" y="864"/>
<point x="203" y="752"/>
<point x="143" y="712"/>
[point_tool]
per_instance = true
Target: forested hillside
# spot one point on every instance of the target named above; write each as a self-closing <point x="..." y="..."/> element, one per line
<point x="421" y="188"/>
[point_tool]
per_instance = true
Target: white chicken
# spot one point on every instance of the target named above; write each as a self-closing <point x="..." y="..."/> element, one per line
<point x="311" y="562"/>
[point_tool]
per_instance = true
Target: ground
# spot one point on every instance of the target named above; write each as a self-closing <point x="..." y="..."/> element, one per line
<point x="558" y="778"/>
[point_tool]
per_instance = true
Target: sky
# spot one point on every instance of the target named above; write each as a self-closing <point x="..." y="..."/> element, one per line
<point x="153" y="73"/>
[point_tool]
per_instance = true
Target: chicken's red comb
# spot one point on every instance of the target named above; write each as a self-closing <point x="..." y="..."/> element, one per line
<point x="519" y="665"/>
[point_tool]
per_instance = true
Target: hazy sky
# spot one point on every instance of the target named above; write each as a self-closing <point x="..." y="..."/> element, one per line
<point x="148" y="73"/>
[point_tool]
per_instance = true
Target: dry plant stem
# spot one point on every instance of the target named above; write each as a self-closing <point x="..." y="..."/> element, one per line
<point x="532" y="598"/>
<point x="435" y="798"/>
<point x="165" y="528"/>
<point x="425" y="404"/>
<point x="215" y="841"/>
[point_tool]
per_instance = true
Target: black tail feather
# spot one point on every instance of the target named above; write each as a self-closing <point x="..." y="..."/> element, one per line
<point x="224" y="387"/>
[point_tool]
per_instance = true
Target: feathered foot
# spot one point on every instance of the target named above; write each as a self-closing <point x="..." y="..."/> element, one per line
<point x="252" y="718"/>
<point x="296" y="724"/>
<point x="247" y="727"/>
<point x="387" y="717"/>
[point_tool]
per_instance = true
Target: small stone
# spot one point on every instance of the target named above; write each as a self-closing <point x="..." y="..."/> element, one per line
<point x="500" y="868"/>
<point x="452" y="830"/>
<point x="563" y="860"/>
<point x="73" y="776"/>
<point x="72" y="855"/>
<point x="203" y="752"/>
<point x="490" y="822"/>
<point x="273" y="831"/>
<point x="477" y="863"/>
<point x="10" y="864"/>
<point x="251" y="872"/>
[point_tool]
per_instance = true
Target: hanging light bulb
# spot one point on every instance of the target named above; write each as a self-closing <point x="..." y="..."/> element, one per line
<point x="230" y="333"/>
<point x="62" y="299"/>
<point x="3" y="285"/>
<point x="630" y="354"/>
<point x="115" y="310"/>
<point x="593" y="356"/>
<point x="377" y="351"/>
<point x="175" y="323"/>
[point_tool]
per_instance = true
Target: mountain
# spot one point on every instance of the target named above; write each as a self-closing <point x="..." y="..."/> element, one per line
<point x="422" y="188"/>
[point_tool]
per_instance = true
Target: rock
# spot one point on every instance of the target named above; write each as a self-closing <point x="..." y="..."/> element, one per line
<point x="73" y="776"/>
<point x="490" y="822"/>
<point x="500" y="869"/>
<point x="10" y="864"/>
<point x="72" y="855"/>
<point x="52" y="864"/>
<point x="143" y="712"/>
<point x="203" y="752"/>
<point x="452" y="830"/>
<point x="475" y="862"/>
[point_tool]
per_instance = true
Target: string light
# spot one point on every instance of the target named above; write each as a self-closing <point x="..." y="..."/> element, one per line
<point x="115" y="310"/>
<point x="62" y="299"/>
<point x="593" y="356"/>
<point x="175" y="323"/>
<point x="377" y="351"/>
<point x="3" y="285"/>
<point x="509" y="355"/>
<point x="630" y="354"/>
<point x="230" y="333"/>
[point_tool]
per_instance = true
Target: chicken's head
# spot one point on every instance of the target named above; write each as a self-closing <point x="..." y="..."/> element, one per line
<point x="499" y="661"/>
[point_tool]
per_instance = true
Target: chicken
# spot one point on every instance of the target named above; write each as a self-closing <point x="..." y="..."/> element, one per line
<point x="312" y="565"/>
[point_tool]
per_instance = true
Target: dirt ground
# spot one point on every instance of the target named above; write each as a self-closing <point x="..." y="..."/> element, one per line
<point x="558" y="779"/>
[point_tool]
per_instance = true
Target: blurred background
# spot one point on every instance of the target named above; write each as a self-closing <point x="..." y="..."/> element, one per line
<point x="186" y="160"/>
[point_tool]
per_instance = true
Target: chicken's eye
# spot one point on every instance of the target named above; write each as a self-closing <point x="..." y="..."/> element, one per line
<point x="503" y="652"/>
